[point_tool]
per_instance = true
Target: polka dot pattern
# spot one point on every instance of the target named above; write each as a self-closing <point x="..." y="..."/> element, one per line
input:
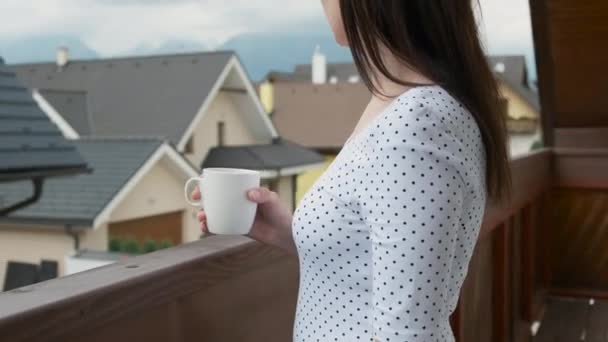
<point x="385" y="235"/>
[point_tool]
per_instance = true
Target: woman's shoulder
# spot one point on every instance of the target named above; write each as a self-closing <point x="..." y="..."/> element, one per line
<point x="430" y="113"/>
<point x="430" y="119"/>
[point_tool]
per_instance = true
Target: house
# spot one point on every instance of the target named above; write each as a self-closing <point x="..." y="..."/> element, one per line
<point x="31" y="147"/>
<point x="197" y="101"/>
<point x="523" y="105"/>
<point x="135" y="190"/>
<point x="33" y="154"/>
<point x="146" y="124"/>
<point x="333" y="93"/>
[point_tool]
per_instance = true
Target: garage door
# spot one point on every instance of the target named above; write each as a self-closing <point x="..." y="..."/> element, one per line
<point x="158" y="227"/>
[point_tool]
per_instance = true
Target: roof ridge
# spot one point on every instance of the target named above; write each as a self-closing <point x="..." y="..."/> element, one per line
<point x="93" y="138"/>
<point x="131" y="58"/>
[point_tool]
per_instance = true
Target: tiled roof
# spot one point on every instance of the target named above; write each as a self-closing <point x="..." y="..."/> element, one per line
<point x="279" y="154"/>
<point x="30" y="144"/>
<point x="134" y="96"/>
<point x="79" y="199"/>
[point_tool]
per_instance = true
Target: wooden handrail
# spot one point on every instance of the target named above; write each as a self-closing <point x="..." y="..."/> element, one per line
<point x="69" y="305"/>
<point x="532" y="174"/>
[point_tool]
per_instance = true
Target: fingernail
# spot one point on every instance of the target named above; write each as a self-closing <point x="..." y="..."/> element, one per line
<point x="254" y="194"/>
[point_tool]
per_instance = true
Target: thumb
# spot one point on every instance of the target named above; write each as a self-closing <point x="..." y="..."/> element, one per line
<point x="260" y="194"/>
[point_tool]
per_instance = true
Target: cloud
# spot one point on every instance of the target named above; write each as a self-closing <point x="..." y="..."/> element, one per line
<point x="117" y="26"/>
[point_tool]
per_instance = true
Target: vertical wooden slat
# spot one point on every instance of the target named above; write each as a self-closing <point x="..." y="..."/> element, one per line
<point x="501" y="279"/>
<point x="527" y="263"/>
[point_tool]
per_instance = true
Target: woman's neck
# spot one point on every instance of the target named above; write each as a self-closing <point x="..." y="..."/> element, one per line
<point x="399" y="70"/>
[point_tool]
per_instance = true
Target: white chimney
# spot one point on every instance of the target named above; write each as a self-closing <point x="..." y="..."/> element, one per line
<point x="319" y="67"/>
<point x="500" y="67"/>
<point x="63" y="56"/>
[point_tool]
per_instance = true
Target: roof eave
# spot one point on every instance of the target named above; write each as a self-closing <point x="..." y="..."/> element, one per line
<point x="18" y="175"/>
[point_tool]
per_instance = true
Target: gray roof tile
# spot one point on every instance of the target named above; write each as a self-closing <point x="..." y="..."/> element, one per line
<point x="281" y="153"/>
<point x="134" y="96"/>
<point x="79" y="199"/>
<point x="30" y="144"/>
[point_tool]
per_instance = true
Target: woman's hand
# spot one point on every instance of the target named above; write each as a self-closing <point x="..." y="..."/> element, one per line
<point x="272" y="223"/>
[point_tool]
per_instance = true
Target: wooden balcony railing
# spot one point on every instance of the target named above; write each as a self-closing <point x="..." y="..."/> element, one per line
<point x="234" y="289"/>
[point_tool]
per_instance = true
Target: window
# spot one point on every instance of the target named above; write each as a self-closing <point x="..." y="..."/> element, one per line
<point x="220" y="133"/>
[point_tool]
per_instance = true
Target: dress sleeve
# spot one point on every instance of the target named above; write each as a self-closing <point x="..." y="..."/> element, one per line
<point x="411" y="200"/>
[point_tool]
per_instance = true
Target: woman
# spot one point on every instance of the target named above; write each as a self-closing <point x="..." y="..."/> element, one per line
<point x="385" y="235"/>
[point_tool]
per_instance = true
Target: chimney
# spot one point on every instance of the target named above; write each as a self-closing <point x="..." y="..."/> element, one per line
<point x="63" y="57"/>
<point x="319" y="67"/>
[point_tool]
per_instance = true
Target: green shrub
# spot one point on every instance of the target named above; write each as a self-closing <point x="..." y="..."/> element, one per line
<point x="149" y="245"/>
<point x="130" y="245"/>
<point x="164" y="244"/>
<point x="114" y="244"/>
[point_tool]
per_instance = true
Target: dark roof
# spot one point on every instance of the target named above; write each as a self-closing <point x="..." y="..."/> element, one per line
<point x="280" y="153"/>
<point x="72" y="105"/>
<point x="30" y="144"/>
<point x="303" y="73"/>
<point x="342" y="71"/>
<point x="134" y="96"/>
<point x="79" y="199"/>
<point x="514" y="68"/>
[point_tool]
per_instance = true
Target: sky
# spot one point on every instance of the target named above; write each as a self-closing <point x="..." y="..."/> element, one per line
<point x="113" y="27"/>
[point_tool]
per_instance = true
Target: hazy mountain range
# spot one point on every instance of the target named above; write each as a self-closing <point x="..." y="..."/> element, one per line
<point x="260" y="52"/>
<point x="42" y="48"/>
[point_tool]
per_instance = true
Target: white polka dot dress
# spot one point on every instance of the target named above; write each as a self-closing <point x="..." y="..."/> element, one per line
<point x="385" y="235"/>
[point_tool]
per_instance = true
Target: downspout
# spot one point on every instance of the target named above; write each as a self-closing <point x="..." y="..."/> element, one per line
<point x="37" y="182"/>
<point x="74" y="234"/>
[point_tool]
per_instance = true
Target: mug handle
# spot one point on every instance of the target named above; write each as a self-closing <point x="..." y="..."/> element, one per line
<point x="187" y="193"/>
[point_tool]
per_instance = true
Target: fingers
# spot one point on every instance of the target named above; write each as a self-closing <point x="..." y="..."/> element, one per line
<point x="261" y="195"/>
<point x="196" y="194"/>
<point x="202" y="218"/>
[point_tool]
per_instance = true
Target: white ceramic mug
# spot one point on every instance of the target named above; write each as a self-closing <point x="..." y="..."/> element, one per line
<point x="224" y="198"/>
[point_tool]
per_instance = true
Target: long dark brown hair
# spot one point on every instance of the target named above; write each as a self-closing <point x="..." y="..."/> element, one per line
<point x="439" y="39"/>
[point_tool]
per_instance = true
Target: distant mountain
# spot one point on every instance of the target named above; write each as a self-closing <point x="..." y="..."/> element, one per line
<point x="169" y="47"/>
<point x="42" y="48"/>
<point x="261" y="52"/>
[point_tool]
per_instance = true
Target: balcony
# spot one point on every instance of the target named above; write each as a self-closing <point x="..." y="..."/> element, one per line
<point x="539" y="271"/>
<point x="547" y="244"/>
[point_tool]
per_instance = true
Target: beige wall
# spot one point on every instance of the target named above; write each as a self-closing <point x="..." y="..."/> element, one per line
<point x="96" y="239"/>
<point x="25" y="244"/>
<point x="204" y="135"/>
<point x="159" y="191"/>
<point x="518" y="108"/>
<point x="285" y="190"/>
<point x="191" y="229"/>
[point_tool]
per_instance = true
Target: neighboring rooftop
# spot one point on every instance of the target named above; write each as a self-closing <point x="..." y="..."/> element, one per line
<point x="30" y="144"/>
<point x="79" y="199"/>
<point x="319" y="116"/>
<point x="132" y="96"/>
<point x="279" y="154"/>
<point x="343" y="72"/>
<point x="512" y="70"/>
